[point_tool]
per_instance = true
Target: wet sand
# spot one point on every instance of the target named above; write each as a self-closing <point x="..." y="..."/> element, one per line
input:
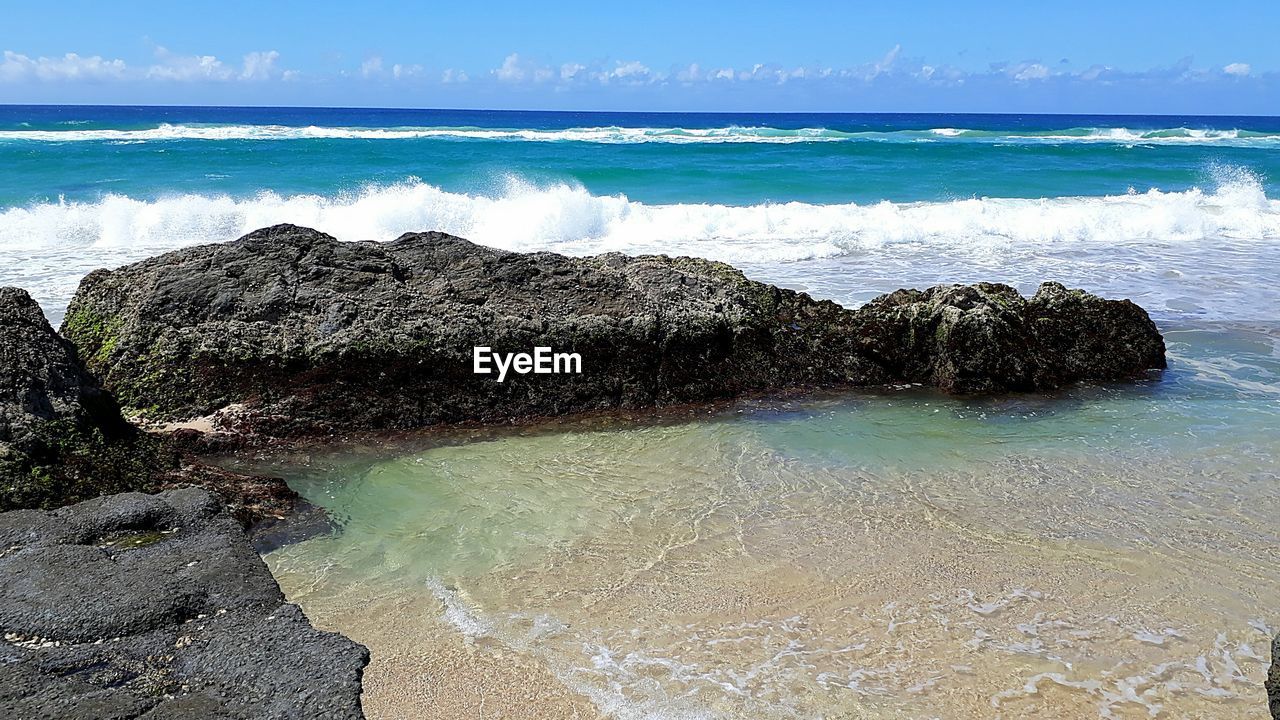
<point x="428" y="670"/>
<point x="561" y="576"/>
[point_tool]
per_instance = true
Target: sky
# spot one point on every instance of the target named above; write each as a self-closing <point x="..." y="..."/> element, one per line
<point x="1171" y="57"/>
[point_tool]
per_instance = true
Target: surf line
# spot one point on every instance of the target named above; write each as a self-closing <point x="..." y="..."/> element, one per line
<point x="543" y="361"/>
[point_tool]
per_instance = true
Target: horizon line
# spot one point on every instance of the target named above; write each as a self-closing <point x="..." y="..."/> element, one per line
<point x="633" y="112"/>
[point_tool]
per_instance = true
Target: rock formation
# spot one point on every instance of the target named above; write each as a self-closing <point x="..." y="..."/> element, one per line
<point x="136" y="605"/>
<point x="63" y="439"/>
<point x="988" y="338"/>
<point x="289" y="332"/>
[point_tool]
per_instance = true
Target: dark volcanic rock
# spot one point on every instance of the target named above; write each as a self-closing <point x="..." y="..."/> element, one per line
<point x="155" y="606"/>
<point x="254" y="500"/>
<point x="986" y="337"/>
<point x="1273" y="679"/>
<point x="62" y="438"/>
<point x="288" y="331"/>
<point x="300" y="332"/>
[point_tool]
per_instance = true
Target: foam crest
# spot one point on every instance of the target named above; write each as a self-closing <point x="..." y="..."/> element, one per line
<point x="611" y="134"/>
<point x="632" y="135"/>
<point x="569" y="219"/>
<point x="455" y="610"/>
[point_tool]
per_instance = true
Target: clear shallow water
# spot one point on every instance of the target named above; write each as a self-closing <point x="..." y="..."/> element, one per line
<point x="1108" y="552"/>
<point x="1103" y="552"/>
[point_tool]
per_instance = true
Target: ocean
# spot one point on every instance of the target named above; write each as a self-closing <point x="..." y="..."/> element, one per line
<point x="1104" y="551"/>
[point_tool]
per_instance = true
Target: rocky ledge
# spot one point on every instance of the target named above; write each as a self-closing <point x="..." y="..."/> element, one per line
<point x="287" y="331"/>
<point x="63" y="439"/>
<point x="155" y="606"/>
<point x="61" y="435"/>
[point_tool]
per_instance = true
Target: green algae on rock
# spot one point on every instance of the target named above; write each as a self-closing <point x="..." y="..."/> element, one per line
<point x="988" y="338"/>
<point x="62" y="438"/>
<point x="288" y="331"/>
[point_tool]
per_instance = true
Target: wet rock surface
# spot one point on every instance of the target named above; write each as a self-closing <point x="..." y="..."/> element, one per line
<point x="150" y="606"/>
<point x="1273" y="679"/>
<point x="988" y="338"/>
<point x="289" y="332"/>
<point x="62" y="437"/>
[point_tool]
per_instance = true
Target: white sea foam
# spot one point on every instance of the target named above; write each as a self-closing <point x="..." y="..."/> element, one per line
<point x="612" y="134"/>
<point x="455" y="610"/>
<point x="631" y="135"/>
<point x="1196" y="249"/>
<point x="570" y="219"/>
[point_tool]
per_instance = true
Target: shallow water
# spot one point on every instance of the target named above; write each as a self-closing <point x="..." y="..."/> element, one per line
<point x="1107" y="552"/>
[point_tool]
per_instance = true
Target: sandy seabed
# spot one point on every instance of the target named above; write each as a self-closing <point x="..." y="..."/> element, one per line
<point x="689" y="572"/>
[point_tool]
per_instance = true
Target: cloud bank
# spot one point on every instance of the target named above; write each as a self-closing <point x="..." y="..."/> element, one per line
<point x="894" y="80"/>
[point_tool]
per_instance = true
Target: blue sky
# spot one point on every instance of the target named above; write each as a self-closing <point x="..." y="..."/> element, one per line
<point x="1142" y="57"/>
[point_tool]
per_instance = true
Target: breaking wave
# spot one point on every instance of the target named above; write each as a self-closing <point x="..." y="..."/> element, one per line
<point x="629" y="135"/>
<point x="569" y="219"/>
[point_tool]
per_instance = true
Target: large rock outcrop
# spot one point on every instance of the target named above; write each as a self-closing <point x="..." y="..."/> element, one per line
<point x="155" y="606"/>
<point x="62" y="437"/>
<point x="288" y="331"/>
<point x="988" y="338"/>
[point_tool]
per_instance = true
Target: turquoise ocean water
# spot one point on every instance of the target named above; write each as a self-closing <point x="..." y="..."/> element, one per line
<point x="1107" y="550"/>
<point x="1122" y="203"/>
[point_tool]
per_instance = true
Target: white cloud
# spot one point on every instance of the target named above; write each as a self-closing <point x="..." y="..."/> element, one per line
<point x="1029" y="71"/>
<point x="187" y="67"/>
<point x="208" y="68"/>
<point x="514" y="69"/>
<point x="1095" y="72"/>
<point x="16" y="67"/>
<point x="891" y="68"/>
<point x="399" y="71"/>
<point x="371" y="67"/>
<point x="886" y="63"/>
<point x="260" y="65"/>
<point x="690" y="74"/>
<point x="759" y="72"/>
<point x="511" y="70"/>
<point x="571" y="71"/>
<point x="893" y="64"/>
<point x="634" y="71"/>
<point x="374" y="67"/>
